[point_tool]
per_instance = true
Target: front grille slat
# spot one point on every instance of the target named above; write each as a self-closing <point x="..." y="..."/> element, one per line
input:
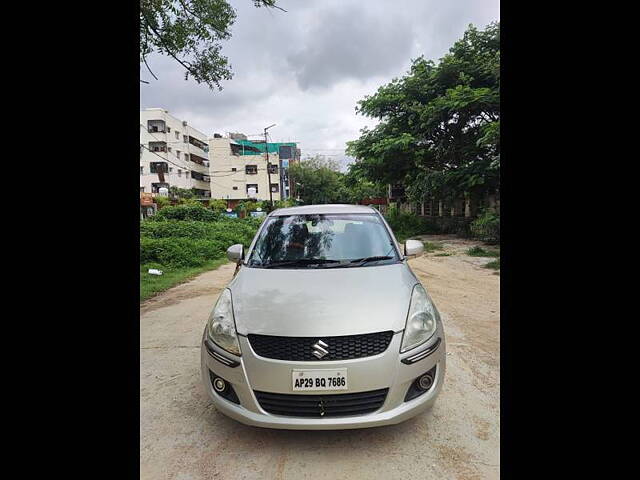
<point x="343" y="347"/>
<point x="333" y="405"/>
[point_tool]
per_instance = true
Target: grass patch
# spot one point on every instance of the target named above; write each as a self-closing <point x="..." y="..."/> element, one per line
<point x="432" y="247"/>
<point x="481" y="252"/>
<point x="151" y="285"/>
<point x="442" y="255"/>
<point x="494" y="264"/>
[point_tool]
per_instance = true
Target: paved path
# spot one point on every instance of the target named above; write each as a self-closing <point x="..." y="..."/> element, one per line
<point x="183" y="437"/>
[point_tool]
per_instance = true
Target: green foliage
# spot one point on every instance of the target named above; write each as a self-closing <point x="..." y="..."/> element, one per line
<point x="439" y="130"/>
<point x="481" y="252"/>
<point x="178" y="193"/>
<point x="487" y="227"/>
<point x="229" y="232"/>
<point x="430" y="247"/>
<point x="151" y="285"/>
<point x="319" y="180"/>
<point x="162" y="201"/>
<point x="190" y="31"/>
<point x="494" y="264"/>
<point x="406" y="225"/>
<point x="289" y="202"/>
<point x="217" y="205"/>
<point x="185" y="212"/>
<point x="191" y="243"/>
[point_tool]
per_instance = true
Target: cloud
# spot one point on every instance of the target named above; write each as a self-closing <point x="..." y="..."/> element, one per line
<point x="352" y="43"/>
<point x="306" y="69"/>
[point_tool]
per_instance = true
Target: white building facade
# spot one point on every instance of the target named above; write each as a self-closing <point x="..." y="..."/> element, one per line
<point x="172" y="153"/>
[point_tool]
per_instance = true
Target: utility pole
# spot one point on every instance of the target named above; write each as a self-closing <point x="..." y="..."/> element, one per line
<point x="266" y="149"/>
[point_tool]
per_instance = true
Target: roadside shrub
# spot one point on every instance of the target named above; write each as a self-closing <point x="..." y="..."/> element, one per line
<point x="217" y="205"/>
<point x="230" y="232"/>
<point x="180" y="252"/>
<point x="191" y="243"/>
<point x="481" y="252"/>
<point x="162" y="202"/>
<point x="186" y="212"/>
<point x="487" y="227"/>
<point x="405" y="225"/>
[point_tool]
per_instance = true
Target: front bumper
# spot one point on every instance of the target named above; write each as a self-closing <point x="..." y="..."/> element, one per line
<point x="385" y="370"/>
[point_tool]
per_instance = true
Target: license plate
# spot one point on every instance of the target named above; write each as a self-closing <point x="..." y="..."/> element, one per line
<point x="313" y="380"/>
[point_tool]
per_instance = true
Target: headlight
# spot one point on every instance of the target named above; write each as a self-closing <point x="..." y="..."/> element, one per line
<point x="421" y="321"/>
<point x="221" y="327"/>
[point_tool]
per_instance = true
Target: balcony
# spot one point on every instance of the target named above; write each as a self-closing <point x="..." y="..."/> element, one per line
<point x="198" y="144"/>
<point x="157" y="147"/>
<point x="156" y="126"/>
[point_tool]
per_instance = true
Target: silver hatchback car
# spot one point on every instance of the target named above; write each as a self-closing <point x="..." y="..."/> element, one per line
<point x="323" y="326"/>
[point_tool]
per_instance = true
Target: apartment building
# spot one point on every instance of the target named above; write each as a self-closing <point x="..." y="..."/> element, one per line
<point x="172" y="153"/>
<point x="238" y="164"/>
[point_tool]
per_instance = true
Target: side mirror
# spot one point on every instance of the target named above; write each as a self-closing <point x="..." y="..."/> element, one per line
<point x="413" y="248"/>
<point x="235" y="252"/>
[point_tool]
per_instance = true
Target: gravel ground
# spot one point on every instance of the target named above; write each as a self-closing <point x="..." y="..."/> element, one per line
<point x="183" y="437"/>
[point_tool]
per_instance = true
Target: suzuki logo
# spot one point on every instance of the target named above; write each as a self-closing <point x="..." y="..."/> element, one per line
<point x="320" y="349"/>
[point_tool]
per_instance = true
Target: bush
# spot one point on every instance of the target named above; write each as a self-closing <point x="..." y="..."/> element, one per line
<point x="487" y="227"/>
<point x="230" y="232"/>
<point x="186" y="212"/>
<point x="191" y="243"/>
<point x="180" y="252"/>
<point x="217" y="205"/>
<point x="162" y="202"/>
<point x="405" y="225"/>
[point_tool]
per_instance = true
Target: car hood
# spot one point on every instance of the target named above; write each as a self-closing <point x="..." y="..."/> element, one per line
<point x="322" y="302"/>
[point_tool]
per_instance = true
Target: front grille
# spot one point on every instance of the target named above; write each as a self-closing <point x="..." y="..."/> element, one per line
<point x="340" y="405"/>
<point x="301" y="348"/>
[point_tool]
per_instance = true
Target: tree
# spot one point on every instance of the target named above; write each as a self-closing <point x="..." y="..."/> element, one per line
<point x="317" y="180"/>
<point x="439" y="130"/>
<point x="190" y="32"/>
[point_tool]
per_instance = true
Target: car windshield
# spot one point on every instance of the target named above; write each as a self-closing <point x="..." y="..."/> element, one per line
<point x="323" y="241"/>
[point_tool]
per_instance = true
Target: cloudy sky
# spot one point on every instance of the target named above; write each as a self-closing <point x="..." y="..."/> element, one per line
<point x="306" y="69"/>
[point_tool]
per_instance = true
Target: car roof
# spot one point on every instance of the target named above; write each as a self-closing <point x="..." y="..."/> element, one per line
<point x="322" y="209"/>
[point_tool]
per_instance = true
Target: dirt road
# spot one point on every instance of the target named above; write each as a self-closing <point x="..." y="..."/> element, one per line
<point x="183" y="437"/>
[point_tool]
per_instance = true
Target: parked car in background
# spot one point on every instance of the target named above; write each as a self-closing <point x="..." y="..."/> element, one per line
<point x="324" y="326"/>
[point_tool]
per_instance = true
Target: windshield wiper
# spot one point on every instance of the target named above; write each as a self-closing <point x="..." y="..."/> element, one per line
<point x="299" y="262"/>
<point x="361" y="261"/>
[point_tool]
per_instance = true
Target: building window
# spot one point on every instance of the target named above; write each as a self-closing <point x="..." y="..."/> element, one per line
<point x="274" y="187"/>
<point x="185" y="138"/>
<point x="273" y="169"/>
<point x="178" y="154"/>
<point x="168" y="129"/>
<point x="141" y="170"/>
<point x="177" y="135"/>
<point x="179" y="172"/>
<point x="169" y="148"/>
<point x="186" y="157"/>
<point x="170" y="169"/>
<point x="251" y="169"/>
<point x="141" y="189"/>
<point x="233" y="169"/>
<point x="158" y="166"/>
<point x="235" y="188"/>
<point x="252" y="185"/>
